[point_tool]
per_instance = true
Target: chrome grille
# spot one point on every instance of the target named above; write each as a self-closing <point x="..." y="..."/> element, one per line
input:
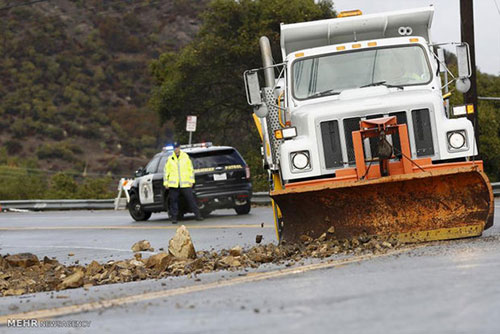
<point x="332" y="148"/>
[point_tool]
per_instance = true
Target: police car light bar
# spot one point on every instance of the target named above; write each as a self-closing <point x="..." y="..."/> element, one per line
<point x="206" y="144"/>
<point x="168" y="148"/>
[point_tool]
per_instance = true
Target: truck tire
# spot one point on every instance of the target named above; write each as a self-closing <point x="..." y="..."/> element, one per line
<point x="136" y="211"/>
<point x="243" y="209"/>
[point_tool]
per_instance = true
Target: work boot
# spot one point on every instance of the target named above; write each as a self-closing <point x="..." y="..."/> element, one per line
<point x="200" y="218"/>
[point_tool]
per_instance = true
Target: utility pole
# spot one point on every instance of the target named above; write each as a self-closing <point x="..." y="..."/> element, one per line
<point x="467" y="33"/>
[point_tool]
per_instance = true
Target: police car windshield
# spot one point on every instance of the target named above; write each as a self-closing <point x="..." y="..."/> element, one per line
<point x="163" y="161"/>
<point x="216" y="158"/>
<point x="152" y="165"/>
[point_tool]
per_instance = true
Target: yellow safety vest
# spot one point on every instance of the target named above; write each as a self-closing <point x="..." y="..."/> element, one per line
<point x="178" y="166"/>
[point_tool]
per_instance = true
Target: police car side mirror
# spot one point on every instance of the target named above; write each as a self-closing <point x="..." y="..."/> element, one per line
<point x="139" y="172"/>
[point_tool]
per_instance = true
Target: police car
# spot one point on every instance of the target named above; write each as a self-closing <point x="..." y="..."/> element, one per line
<point x="222" y="181"/>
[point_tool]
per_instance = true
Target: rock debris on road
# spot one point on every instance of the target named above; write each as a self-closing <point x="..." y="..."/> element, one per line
<point x="24" y="273"/>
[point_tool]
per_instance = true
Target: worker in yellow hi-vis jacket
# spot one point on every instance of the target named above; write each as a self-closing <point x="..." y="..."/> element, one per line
<point x="179" y="179"/>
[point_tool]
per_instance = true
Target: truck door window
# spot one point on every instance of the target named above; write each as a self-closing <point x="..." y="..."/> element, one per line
<point x="399" y="65"/>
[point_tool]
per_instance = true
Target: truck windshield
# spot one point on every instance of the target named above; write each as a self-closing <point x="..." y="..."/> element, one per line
<point x="392" y="66"/>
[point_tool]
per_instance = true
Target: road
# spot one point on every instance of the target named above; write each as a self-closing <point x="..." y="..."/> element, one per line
<point x="441" y="287"/>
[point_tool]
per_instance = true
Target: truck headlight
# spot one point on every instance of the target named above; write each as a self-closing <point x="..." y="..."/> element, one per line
<point x="301" y="160"/>
<point x="457" y="140"/>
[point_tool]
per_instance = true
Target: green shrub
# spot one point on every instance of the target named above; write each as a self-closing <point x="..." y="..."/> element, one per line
<point x="97" y="188"/>
<point x="53" y="132"/>
<point x="62" y="186"/>
<point x="13" y="146"/>
<point x="258" y="174"/>
<point x="19" y="183"/>
<point x="56" y="151"/>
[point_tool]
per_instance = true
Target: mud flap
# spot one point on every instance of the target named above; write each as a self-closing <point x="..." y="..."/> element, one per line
<point x="436" y="205"/>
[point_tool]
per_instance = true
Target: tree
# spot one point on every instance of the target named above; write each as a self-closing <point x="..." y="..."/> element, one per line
<point x="205" y="78"/>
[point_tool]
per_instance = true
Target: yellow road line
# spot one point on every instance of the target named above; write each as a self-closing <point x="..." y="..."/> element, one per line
<point x="173" y="227"/>
<point x="254" y="277"/>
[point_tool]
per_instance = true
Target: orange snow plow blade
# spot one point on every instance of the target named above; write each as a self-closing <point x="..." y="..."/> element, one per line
<point x="435" y="205"/>
<point x="411" y="200"/>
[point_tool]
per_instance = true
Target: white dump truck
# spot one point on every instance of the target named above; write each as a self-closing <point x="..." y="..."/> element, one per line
<point x="358" y="135"/>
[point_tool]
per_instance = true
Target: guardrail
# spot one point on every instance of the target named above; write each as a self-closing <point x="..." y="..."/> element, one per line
<point x="58" y="204"/>
<point x="260" y="198"/>
<point x="496" y="188"/>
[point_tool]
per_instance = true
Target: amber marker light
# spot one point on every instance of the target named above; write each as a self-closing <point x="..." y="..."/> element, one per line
<point x="470" y="108"/>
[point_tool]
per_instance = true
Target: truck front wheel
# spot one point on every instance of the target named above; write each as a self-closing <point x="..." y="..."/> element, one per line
<point x="136" y="211"/>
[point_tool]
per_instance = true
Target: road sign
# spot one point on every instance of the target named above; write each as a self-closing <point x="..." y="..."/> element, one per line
<point x="191" y="123"/>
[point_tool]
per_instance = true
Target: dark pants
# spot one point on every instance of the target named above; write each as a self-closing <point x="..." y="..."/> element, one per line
<point x="173" y="196"/>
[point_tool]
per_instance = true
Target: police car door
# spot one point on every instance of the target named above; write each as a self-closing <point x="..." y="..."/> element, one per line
<point x="146" y="195"/>
<point x="158" y="187"/>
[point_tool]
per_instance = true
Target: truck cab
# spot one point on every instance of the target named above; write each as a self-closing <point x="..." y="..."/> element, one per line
<point x="338" y="72"/>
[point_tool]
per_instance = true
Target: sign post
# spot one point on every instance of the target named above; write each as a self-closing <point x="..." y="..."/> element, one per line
<point x="191" y="127"/>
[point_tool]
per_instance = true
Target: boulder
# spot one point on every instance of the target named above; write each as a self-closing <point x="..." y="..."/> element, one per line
<point x="14" y="292"/>
<point x="93" y="268"/>
<point x="136" y="263"/>
<point x="230" y="261"/>
<point x="23" y="260"/>
<point x="74" y="280"/>
<point x="236" y="251"/>
<point x="159" y="261"/>
<point x="47" y="260"/>
<point x="141" y="246"/>
<point x="181" y="246"/>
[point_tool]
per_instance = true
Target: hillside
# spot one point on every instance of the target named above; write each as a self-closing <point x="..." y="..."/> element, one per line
<point x="75" y="81"/>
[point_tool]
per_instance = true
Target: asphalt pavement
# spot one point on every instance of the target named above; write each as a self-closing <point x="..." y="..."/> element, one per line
<point x="108" y="235"/>
<point x="439" y="287"/>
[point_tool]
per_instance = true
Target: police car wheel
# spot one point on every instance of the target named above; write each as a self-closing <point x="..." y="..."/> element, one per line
<point x="243" y="209"/>
<point x="136" y="211"/>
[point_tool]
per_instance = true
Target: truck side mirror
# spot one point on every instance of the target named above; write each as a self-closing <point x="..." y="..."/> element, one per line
<point x="252" y="88"/>
<point x="254" y="97"/>
<point x="463" y="61"/>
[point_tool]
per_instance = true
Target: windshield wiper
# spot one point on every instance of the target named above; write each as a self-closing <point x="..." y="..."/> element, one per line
<point x="325" y="93"/>
<point x="382" y="83"/>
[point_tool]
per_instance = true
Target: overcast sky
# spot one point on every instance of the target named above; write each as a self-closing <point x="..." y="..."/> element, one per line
<point x="446" y="24"/>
